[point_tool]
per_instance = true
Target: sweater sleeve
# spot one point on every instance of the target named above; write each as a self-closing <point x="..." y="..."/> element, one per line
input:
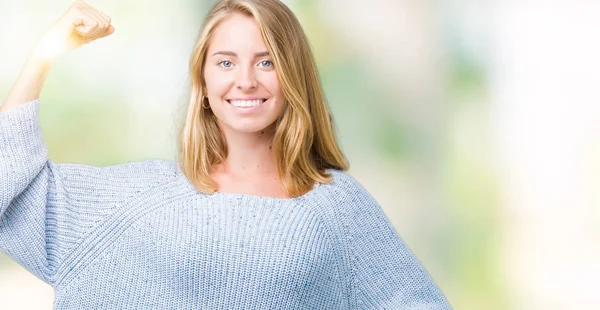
<point x="386" y="272"/>
<point x="47" y="209"/>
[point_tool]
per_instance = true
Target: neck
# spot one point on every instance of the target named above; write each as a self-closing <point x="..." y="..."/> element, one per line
<point x="249" y="154"/>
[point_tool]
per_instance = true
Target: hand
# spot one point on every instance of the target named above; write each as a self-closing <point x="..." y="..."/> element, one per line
<point x="81" y="24"/>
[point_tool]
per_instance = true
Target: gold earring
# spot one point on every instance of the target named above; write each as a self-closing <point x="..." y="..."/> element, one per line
<point x="205" y="101"/>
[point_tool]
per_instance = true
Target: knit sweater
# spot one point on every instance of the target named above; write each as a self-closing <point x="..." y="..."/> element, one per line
<point x="138" y="235"/>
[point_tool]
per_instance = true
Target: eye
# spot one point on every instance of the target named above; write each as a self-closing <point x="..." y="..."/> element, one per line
<point x="225" y="63"/>
<point x="266" y="63"/>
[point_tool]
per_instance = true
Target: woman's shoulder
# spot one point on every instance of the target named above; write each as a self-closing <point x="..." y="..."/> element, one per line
<point x="343" y="180"/>
<point x="344" y="185"/>
<point x="150" y="166"/>
<point x="145" y="170"/>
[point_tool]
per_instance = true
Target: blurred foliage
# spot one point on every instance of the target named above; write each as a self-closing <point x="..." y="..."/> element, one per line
<point x="351" y="96"/>
<point x="89" y="131"/>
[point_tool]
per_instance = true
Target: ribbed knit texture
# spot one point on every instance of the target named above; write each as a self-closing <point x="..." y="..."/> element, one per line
<point x="139" y="236"/>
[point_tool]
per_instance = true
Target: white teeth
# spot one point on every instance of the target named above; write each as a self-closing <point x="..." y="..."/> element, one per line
<point x="245" y="103"/>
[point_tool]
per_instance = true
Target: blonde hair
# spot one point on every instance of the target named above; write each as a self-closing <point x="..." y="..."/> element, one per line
<point x="304" y="145"/>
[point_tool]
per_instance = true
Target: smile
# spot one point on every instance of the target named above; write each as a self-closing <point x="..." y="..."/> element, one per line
<point x="246" y="103"/>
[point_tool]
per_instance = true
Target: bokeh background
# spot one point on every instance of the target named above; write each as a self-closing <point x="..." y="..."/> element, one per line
<point x="475" y="124"/>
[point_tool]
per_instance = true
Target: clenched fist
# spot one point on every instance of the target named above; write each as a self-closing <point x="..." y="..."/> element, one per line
<point x="81" y="24"/>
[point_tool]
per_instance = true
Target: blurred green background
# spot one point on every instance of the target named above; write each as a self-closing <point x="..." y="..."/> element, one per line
<point x="473" y="123"/>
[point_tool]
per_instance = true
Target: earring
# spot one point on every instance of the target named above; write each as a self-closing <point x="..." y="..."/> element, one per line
<point x="205" y="101"/>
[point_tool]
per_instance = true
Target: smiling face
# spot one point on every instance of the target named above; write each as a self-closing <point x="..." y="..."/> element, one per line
<point x="241" y="83"/>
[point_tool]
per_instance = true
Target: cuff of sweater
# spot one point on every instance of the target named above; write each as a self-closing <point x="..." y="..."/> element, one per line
<point x="22" y="115"/>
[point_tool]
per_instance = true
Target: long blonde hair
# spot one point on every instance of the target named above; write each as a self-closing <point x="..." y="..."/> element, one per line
<point x="304" y="145"/>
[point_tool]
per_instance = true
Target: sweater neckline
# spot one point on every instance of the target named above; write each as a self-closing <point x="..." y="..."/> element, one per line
<point x="266" y="198"/>
<point x="240" y="196"/>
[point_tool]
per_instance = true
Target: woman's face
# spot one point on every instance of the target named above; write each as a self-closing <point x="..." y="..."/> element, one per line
<point x="241" y="83"/>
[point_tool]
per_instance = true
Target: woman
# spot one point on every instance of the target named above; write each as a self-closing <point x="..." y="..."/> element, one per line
<point x="257" y="214"/>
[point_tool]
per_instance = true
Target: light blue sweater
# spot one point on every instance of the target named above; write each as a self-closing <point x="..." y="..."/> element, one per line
<point x="139" y="236"/>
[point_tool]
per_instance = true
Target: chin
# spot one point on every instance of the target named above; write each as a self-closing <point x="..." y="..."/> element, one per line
<point x="250" y="127"/>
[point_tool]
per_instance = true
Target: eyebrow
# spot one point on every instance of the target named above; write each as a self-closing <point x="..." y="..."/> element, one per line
<point x="232" y="54"/>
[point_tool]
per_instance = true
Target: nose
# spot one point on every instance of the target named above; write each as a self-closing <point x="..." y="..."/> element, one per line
<point x="246" y="79"/>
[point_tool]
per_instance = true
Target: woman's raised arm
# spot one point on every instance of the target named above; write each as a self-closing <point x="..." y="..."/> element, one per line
<point x="79" y="25"/>
<point x="46" y="208"/>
